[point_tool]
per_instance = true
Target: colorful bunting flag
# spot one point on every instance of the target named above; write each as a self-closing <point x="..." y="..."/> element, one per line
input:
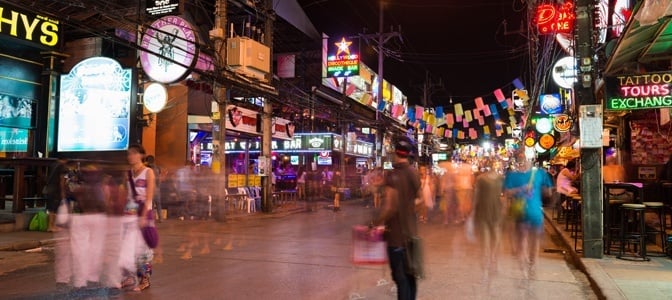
<point x="518" y="84"/>
<point x="467" y="115"/>
<point x="486" y="111"/>
<point x="479" y="102"/>
<point x="439" y="112"/>
<point x="499" y="95"/>
<point x="419" y="112"/>
<point x="458" y="109"/>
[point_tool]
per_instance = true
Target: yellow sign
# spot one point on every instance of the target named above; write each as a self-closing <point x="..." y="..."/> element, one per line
<point x="529" y="141"/>
<point x="29" y="26"/>
<point x="562" y="123"/>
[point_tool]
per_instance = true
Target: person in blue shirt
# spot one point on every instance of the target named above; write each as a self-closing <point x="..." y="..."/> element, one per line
<point x="528" y="183"/>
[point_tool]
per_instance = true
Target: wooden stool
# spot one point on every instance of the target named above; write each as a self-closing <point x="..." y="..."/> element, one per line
<point x="659" y="209"/>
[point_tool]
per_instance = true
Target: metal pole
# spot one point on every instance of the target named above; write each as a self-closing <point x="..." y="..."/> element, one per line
<point x="378" y="145"/>
<point x="344" y="132"/>
<point x="591" y="159"/>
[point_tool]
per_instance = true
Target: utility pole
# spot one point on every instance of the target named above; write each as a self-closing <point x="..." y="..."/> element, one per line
<point x="591" y="158"/>
<point x="428" y="89"/>
<point x="219" y="129"/>
<point x="381" y="37"/>
<point x="267" y="114"/>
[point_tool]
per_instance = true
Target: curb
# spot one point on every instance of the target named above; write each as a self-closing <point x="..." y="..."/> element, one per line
<point x="603" y="286"/>
<point x="27" y="245"/>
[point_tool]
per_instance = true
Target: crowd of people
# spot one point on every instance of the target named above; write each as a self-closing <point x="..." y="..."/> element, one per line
<point x="480" y="196"/>
<point x="100" y="219"/>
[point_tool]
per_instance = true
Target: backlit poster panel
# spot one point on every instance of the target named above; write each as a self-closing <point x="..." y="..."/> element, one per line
<point x="95" y="101"/>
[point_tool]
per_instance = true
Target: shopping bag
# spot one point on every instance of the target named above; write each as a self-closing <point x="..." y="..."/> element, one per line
<point x="415" y="264"/>
<point x="63" y="213"/>
<point x="368" y="246"/>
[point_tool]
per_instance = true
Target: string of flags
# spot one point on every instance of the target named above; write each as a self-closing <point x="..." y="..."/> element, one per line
<point x="482" y="117"/>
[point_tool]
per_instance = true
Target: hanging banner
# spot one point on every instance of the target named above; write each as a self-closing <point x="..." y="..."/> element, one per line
<point x="343" y="57"/>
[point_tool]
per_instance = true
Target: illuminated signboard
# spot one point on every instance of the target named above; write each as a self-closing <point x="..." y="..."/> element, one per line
<point x="358" y="148"/>
<point x="13" y="139"/>
<point x="299" y="143"/>
<point x="551" y="19"/>
<point x="162" y="7"/>
<point x="639" y="91"/>
<point x="342" y="58"/>
<point x="94" y="106"/>
<point x="550" y="104"/>
<point x="30" y="27"/>
<point x="170" y="45"/>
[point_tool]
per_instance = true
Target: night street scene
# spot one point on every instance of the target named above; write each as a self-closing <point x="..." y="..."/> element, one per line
<point x="324" y="149"/>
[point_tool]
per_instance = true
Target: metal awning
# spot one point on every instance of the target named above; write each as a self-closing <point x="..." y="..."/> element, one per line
<point x="649" y="45"/>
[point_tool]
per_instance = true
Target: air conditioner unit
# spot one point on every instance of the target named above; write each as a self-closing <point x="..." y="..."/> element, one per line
<point x="248" y="57"/>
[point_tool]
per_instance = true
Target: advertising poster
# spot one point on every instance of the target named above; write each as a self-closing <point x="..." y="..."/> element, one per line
<point x="15" y="111"/>
<point x="13" y="139"/>
<point x="95" y="101"/>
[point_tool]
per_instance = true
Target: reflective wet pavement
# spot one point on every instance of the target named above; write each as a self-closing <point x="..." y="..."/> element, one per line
<point x="307" y="256"/>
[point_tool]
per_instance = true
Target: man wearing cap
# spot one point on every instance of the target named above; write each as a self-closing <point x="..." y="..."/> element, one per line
<point x="400" y="189"/>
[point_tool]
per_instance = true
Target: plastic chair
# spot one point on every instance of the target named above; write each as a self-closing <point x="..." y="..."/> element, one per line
<point x="247" y="201"/>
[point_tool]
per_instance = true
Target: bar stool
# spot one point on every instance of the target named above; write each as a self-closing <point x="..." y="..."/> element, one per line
<point x="612" y="221"/>
<point x="575" y="221"/>
<point x="633" y="230"/>
<point x="659" y="209"/>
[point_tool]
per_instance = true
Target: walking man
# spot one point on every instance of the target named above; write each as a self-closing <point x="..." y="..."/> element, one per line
<point x="398" y="214"/>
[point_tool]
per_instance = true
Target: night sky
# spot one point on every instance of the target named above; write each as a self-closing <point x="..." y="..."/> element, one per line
<point x="465" y="44"/>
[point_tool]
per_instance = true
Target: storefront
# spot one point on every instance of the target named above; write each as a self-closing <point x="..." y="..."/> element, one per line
<point x="26" y="109"/>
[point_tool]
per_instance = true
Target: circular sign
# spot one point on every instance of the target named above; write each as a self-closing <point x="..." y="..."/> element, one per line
<point x="546" y="141"/>
<point x="564" y="72"/>
<point x="544" y="125"/>
<point x="529" y="141"/>
<point x="170" y="49"/>
<point x="539" y="149"/>
<point x="155" y="97"/>
<point x="562" y="123"/>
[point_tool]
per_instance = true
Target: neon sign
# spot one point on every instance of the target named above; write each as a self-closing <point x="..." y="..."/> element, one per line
<point x="342" y="58"/>
<point x="639" y="91"/>
<point x="551" y="19"/>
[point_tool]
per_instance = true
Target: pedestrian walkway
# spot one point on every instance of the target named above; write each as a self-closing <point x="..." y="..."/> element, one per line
<point x="621" y="279"/>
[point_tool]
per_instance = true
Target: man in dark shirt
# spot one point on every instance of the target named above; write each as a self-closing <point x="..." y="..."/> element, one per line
<point x="398" y="214"/>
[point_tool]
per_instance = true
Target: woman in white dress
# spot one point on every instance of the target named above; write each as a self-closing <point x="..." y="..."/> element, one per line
<point x="136" y="256"/>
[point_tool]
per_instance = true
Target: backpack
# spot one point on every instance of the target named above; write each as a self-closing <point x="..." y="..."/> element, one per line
<point x="38" y="222"/>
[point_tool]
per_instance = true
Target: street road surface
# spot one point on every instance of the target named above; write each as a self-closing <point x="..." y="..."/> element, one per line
<point x="308" y="256"/>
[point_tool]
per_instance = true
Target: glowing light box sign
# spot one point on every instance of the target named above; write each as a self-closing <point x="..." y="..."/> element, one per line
<point x="551" y="19"/>
<point x="639" y="91"/>
<point x="171" y="49"/>
<point x="15" y="111"/>
<point x="342" y="57"/>
<point x="94" y="107"/>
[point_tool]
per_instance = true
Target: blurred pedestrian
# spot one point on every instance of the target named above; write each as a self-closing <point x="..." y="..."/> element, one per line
<point x="337" y="190"/>
<point x="398" y="214"/>
<point x="464" y="190"/>
<point x="158" y="176"/>
<point x="447" y="192"/>
<point x="136" y="256"/>
<point x="527" y="184"/>
<point x="301" y="184"/>
<point x="488" y="215"/>
<point x="426" y="198"/>
<point x="55" y="190"/>
<point x="88" y="227"/>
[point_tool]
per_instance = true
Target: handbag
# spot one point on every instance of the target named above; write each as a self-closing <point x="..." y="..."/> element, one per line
<point x="62" y="213"/>
<point x="368" y="245"/>
<point x="149" y="232"/>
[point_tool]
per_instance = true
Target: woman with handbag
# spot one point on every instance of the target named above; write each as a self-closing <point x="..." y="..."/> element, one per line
<point x="136" y="247"/>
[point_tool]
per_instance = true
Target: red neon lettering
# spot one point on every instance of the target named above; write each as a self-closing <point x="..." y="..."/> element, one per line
<point x="645" y="90"/>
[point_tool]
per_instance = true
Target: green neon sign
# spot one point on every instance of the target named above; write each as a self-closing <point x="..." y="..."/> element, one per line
<point x="642" y="91"/>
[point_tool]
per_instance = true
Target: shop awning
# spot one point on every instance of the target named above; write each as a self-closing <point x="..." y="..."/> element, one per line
<point x="642" y="43"/>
